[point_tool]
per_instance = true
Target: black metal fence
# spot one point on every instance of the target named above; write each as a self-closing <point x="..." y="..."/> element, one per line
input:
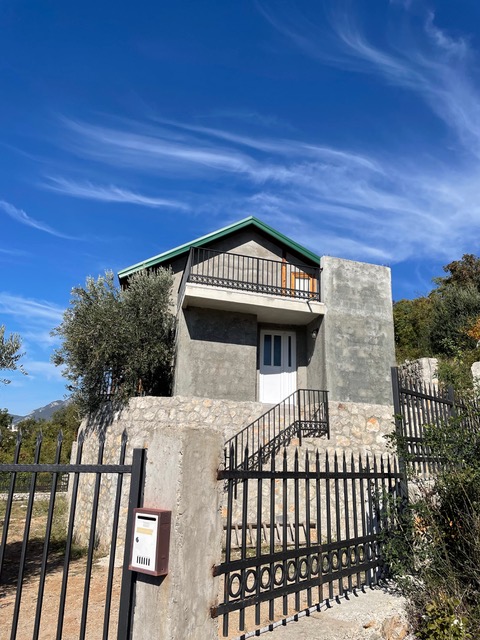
<point x="39" y="551"/>
<point x="296" y="536"/>
<point x="22" y="484"/>
<point x="417" y="405"/>
<point x="304" y="413"/>
<point x="248" y="273"/>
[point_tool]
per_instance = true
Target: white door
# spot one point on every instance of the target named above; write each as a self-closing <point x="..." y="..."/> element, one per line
<point x="278" y="366"/>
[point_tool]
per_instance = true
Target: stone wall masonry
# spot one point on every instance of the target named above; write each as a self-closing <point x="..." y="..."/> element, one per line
<point x="185" y="439"/>
<point x="142" y="419"/>
<point x="354" y="428"/>
<point x="422" y="370"/>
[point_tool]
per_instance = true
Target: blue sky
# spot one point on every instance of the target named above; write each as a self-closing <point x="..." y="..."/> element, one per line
<point x="129" y="128"/>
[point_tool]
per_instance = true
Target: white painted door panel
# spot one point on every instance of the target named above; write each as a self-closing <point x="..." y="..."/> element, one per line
<point x="278" y="366"/>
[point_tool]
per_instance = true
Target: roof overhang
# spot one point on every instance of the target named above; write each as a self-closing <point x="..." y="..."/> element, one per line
<point x="251" y="221"/>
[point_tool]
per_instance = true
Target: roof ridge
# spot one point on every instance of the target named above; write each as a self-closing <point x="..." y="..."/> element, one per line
<point x="214" y="235"/>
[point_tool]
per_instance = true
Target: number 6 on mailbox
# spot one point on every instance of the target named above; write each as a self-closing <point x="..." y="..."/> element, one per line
<point x="150" y="541"/>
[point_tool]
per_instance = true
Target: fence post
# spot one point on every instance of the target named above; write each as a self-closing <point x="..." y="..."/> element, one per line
<point x="451" y="397"/>
<point x="127" y="594"/>
<point x="400" y="432"/>
<point x="181" y="476"/>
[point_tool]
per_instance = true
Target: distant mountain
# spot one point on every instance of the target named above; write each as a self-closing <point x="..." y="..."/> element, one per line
<point x="43" y="413"/>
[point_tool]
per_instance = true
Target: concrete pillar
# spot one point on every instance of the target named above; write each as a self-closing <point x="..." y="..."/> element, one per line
<point x="357" y="331"/>
<point x="475" y="369"/>
<point x="181" y="476"/>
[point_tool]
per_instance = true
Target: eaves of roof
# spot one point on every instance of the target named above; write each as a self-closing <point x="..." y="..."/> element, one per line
<point x="216" y="235"/>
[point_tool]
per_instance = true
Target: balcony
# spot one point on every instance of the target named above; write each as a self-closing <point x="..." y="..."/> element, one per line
<point x="273" y="290"/>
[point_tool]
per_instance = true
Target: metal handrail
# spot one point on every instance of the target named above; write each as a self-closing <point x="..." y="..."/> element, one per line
<point x="302" y="413"/>
<point x="249" y="273"/>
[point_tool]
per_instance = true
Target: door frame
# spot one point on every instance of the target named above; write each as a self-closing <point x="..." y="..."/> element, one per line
<point x="287" y="375"/>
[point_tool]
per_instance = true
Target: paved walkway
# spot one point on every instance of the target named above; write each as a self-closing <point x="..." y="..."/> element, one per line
<point x="374" y="615"/>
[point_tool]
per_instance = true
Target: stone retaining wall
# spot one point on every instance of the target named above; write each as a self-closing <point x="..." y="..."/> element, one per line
<point x="354" y="428"/>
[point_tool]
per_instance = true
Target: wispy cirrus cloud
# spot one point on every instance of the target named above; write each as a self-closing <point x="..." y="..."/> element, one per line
<point x="18" y="253"/>
<point x="33" y="319"/>
<point x="376" y="204"/>
<point x="43" y="369"/>
<point x="141" y="148"/>
<point x="19" y="215"/>
<point x="29" y="309"/>
<point x="387" y="206"/>
<point x="110" y="193"/>
<point x="429" y="62"/>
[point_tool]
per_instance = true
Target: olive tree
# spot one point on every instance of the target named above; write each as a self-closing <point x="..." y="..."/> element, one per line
<point x="117" y="343"/>
<point x="10" y="353"/>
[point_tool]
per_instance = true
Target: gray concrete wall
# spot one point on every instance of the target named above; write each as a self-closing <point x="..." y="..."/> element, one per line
<point x="181" y="476"/>
<point x="315" y="355"/>
<point x="216" y="355"/>
<point x="357" y="332"/>
<point x="250" y="243"/>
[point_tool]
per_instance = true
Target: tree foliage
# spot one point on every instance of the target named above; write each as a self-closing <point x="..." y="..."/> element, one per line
<point x="444" y="324"/>
<point x="437" y="544"/>
<point x="412" y="328"/>
<point x="117" y="343"/>
<point x="10" y="353"/>
<point x="461" y="273"/>
<point x="66" y="420"/>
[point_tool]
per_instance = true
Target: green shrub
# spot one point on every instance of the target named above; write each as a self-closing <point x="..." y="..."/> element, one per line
<point x="435" y="552"/>
<point x="441" y="622"/>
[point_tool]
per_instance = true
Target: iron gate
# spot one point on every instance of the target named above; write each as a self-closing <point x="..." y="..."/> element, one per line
<point x="299" y="535"/>
<point x="41" y="560"/>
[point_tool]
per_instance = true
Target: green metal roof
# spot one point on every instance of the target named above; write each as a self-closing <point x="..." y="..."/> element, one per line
<point x="220" y="233"/>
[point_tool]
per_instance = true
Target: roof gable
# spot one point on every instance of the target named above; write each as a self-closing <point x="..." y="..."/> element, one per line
<point x="251" y="221"/>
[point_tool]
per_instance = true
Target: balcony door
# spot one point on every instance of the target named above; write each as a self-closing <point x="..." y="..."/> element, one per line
<point x="278" y="365"/>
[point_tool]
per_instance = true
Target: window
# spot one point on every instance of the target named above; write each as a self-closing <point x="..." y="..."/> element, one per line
<point x="302" y="282"/>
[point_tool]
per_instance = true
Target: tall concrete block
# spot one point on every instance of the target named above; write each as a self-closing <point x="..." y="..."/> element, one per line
<point x="357" y="331"/>
<point x="181" y="476"/>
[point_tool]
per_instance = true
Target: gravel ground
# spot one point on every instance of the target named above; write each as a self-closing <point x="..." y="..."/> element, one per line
<point x="360" y="617"/>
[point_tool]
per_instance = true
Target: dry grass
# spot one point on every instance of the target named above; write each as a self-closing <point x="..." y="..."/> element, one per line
<point x="55" y="568"/>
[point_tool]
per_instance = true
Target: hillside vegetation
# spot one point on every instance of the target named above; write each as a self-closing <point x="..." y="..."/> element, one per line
<point x="445" y="323"/>
<point x="66" y="420"/>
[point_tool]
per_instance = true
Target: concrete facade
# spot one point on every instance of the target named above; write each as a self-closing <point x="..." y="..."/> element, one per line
<point x="357" y="331"/>
<point x="216" y="354"/>
<point x="345" y="341"/>
<point x="178" y="606"/>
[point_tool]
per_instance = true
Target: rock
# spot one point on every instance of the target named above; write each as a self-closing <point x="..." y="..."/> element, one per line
<point x="394" y="628"/>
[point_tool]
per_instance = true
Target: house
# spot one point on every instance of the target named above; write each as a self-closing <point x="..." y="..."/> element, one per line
<point x="260" y="316"/>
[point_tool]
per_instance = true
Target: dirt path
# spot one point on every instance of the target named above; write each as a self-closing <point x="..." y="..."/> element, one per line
<point x="73" y="608"/>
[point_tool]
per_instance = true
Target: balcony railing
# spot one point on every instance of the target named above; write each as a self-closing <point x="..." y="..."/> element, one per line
<point x="248" y="273"/>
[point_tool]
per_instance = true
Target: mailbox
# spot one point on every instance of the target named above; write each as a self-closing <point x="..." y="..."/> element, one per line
<point x="150" y="541"/>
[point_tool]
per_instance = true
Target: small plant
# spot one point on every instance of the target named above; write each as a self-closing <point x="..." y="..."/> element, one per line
<point x="442" y="622"/>
<point x="434" y="547"/>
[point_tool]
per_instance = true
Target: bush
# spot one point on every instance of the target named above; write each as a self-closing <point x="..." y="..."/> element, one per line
<point x="436" y="549"/>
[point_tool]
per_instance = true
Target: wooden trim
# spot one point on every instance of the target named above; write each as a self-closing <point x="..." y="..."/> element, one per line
<point x="301" y="275"/>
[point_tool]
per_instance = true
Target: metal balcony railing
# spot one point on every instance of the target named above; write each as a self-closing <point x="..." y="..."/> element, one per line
<point x="304" y="413"/>
<point x="248" y="273"/>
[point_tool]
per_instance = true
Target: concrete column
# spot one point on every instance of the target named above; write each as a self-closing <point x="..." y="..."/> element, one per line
<point x="181" y="476"/>
<point x="357" y="331"/>
<point x="475" y="369"/>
